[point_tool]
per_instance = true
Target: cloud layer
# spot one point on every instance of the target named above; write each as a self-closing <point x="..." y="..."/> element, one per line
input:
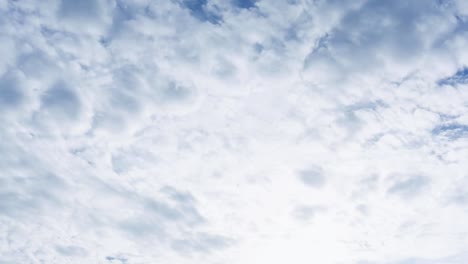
<point x="241" y="131"/>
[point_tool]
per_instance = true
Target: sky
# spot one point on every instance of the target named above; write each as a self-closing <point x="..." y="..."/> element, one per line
<point x="234" y="131"/>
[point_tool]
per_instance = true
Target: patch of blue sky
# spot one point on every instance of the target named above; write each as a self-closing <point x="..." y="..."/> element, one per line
<point x="451" y="131"/>
<point x="460" y="77"/>
<point x="245" y="4"/>
<point x="199" y="9"/>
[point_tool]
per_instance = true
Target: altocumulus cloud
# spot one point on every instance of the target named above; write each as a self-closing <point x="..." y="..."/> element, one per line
<point x="240" y="131"/>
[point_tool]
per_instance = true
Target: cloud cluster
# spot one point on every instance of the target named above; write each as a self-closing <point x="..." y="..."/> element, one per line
<point x="240" y="131"/>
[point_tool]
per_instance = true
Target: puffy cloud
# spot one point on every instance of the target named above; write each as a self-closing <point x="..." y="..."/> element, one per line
<point x="409" y="187"/>
<point x="313" y="177"/>
<point x="233" y="131"/>
<point x="307" y="213"/>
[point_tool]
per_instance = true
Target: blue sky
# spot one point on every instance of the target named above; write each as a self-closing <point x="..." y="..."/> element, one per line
<point x="240" y="131"/>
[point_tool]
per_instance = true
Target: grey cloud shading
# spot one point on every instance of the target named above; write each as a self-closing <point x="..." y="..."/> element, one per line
<point x="25" y="186"/>
<point x="350" y="120"/>
<point x="117" y="259"/>
<point x="151" y="218"/>
<point x="120" y="16"/>
<point x="368" y="21"/>
<point x="129" y="83"/>
<point x="201" y="243"/>
<point x="313" y="177"/>
<point x="224" y="69"/>
<point x="155" y="218"/>
<point x="362" y="209"/>
<point x="185" y="212"/>
<point x="460" y="197"/>
<point x="176" y="92"/>
<point x="80" y="10"/>
<point x="184" y="207"/>
<point x="370" y="182"/>
<point x="142" y="227"/>
<point x="11" y="94"/>
<point x="451" y="131"/>
<point x="37" y="65"/>
<point x="125" y="101"/>
<point x="389" y="29"/>
<point x="409" y="187"/>
<point x="179" y="196"/>
<point x="458" y="194"/>
<point x="62" y="102"/>
<point x="124" y="160"/>
<point x="21" y="196"/>
<point x="306" y="212"/>
<point x="366" y="186"/>
<point x="134" y="93"/>
<point x="120" y="164"/>
<point x="71" y="251"/>
<point x="83" y="17"/>
<point x="350" y="114"/>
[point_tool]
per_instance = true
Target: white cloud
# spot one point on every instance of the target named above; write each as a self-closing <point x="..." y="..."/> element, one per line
<point x="233" y="131"/>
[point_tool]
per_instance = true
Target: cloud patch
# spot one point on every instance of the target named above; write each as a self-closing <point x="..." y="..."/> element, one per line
<point x="409" y="187"/>
<point x="240" y="131"/>
<point x="313" y="177"/>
